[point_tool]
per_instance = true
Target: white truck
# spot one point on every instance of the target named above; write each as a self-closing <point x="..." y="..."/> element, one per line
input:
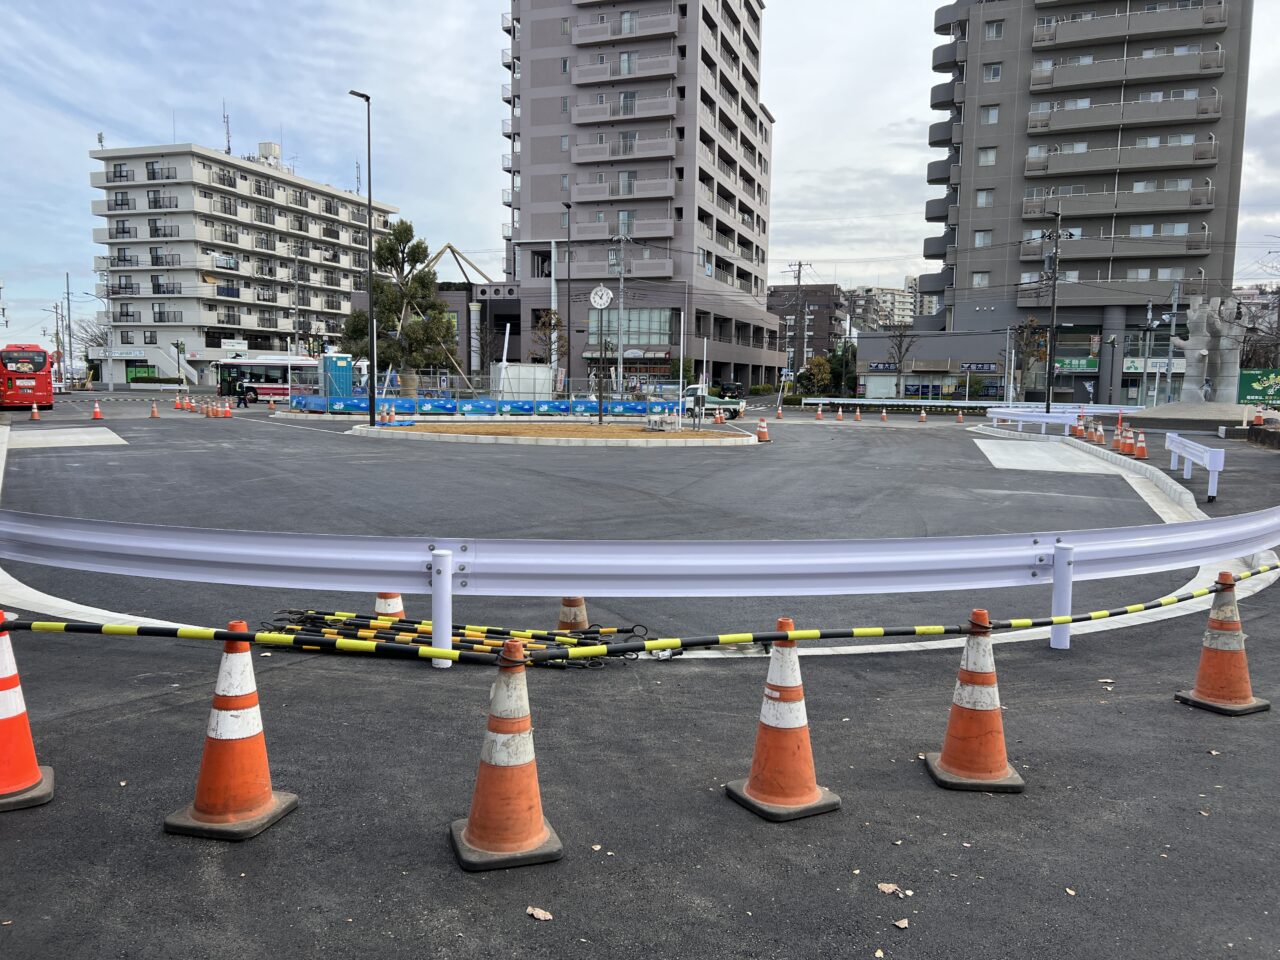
<point x="732" y="409"/>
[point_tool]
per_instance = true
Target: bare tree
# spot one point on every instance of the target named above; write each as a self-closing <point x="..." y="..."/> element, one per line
<point x="92" y="333"/>
<point x="548" y="338"/>
<point x="902" y="341"/>
<point x="1030" y="344"/>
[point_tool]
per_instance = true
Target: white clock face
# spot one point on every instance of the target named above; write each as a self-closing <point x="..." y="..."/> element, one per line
<point x="601" y="297"/>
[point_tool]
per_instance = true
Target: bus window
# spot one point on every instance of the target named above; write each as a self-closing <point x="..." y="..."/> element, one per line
<point x="24" y="361"/>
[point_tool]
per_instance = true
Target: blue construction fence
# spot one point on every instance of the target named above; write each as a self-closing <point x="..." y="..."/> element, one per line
<point x="484" y="406"/>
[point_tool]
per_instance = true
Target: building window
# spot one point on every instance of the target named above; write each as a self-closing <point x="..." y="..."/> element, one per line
<point x="1138" y="273"/>
<point x="564" y="104"/>
<point x="1030" y="278"/>
<point x="1077" y="103"/>
<point x="1079" y="146"/>
<point x="564" y="219"/>
<point x="1171" y="273"/>
<point x="986" y="156"/>
<point x="564" y="27"/>
<point x="564" y="143"/>
<point x="564" y="64"/>
<point x="991" y="72"/>
<point x="982" y="238"/>
<point x="994" y="30"/>
<point x="989" y="115"/>
<point x="980" y="279"/>
<point x="149" y="337"/>
<point x="126" y="336"/>
<point x="985" y="198"/>
<point x="564" y="181"/>
<point x="1142" y="229"/>
<point x="1173" y="229"/>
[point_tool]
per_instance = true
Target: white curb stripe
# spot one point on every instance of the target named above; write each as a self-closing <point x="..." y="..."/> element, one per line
<point x="507" y="749"/>
<point x="235" y="675"/>
<point x="785" y="716"/>
<point x="234" y="724"/>
<point x="974" y="697"/>
<point x="11" y="703"/>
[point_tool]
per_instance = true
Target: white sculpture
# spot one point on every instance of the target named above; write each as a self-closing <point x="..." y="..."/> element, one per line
<point x="1212" y="349"/>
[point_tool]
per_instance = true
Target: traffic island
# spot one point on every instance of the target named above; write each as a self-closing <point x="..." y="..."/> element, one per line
<point x="559" y="434"/>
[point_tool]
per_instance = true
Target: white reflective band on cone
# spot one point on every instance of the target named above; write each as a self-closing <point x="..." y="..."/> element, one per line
<point x="784" y="715"/>
<point x="11" y="703"/>
<point x="975" y="697"/>
<point x="507" y="749"/>
<point x="1224" y="607"/>
<point x="388" y="606"/>
<point x="235" y="675"/>
<point x="510" y="697"/>
<point x="234" y="724"/>
<point x="977" y="656"/>
<point x="1224" y="639"/>
<point x="8" y="666"/>
<point x="784" y="667"/>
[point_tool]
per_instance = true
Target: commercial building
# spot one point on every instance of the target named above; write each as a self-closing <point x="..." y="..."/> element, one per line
<point x="638" y="138"/>
<point x="1123" y="123"/>
<point x="815" y="320"/>
<point x="211" y="256"/>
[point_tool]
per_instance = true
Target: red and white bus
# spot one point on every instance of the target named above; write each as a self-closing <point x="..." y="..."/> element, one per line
<point x="269" y="377"/>
<point x="27" y="376"/>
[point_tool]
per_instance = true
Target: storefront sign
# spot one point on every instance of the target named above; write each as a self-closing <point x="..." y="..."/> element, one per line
<point x="977" y="367"/>
<point x="884" y="366"/>
<point x="1134" y="365"/>
<point x="116" y="353"/>
<point x="1076" y="364"/>
<point x="1259" y="386"/>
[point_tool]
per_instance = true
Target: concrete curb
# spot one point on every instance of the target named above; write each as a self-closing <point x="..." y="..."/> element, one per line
<point x="384" y="434"/>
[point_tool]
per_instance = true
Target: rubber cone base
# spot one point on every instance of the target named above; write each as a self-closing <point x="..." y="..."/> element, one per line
<point x="1226" y="709"/>
<point x="473" y="859"/>
<point x="1009" y="783"/>
<point x="737" y="791"/>
<point x="42" y="792"/>
<point x="185" y="822"/>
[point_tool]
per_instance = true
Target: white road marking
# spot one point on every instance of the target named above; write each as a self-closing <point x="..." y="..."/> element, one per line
<point x="1048" y="458"/>
<point x="69" y="437"/>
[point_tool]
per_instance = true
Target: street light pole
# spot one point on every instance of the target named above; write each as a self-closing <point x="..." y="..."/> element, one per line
<point x="1053" y="317"/>
<point x="373" y="321"/>
<point x="568" y="300"/>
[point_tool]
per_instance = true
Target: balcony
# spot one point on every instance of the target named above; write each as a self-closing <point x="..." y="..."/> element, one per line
<point x="1135" y="27"/>
<point x="945" y="18"/>
<point x="1133" y="70"/>
<point x="223" y="262"/>
<point x="162" y="203"/>
<point x="629" y="26"/>
<point x="158" y="232"/>
<point x="506" y="231"/>
<point x="508" y="197"/>
<point x="935" y="248"/>
<point x="507" y="127"/>
<point x="939" y="171"/>
<point x="650" y="148"/>
<point x="224" y="179"/>
<point x="943" y="96"/>
<point x="166" y="260"/>
<point x="1131" y="114"/>
<point x="603" y="269"/>
<point x="1102" y="248"/>
<point x="935" y="283"/>
<point x="507" y="59"/>
<point x="642" y="108"/>
<point x="1096" y="293"/>
<point x="950" y="55"/>
<point x="115" y="262"/>
<point x="654" y="188"/>
<point x="1104" y="204"/>
<point x="124" y="290"/>
<point x="638" y="68"/>
<point x="508" y="24"/>
<point x="166" y="316"/>
<point x="507" y="95"/>
<point x="228" y="319"/>
<point x="264" y="296"/>
<point x="266" y="190"/>
<point x="166" y="289"/>
<point x="117" y="233"/>
<point x="113" y="205"/>
<point x="162" y="173"/>
<point x="118" y="176"/>
<point x="330" y="233"/>
<point x="223" y="291"/>
<point x="125" y="316"/>
<point x="1202" y="154"/>
<point x="940" y="133"/>
<point x="507" y="163"/>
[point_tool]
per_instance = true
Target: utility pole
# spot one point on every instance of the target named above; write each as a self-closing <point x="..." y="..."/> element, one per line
<point x="623" y="239"/>
<point x="71" y="333"/>
<point x="797" y="360"/>
<point x="1053" y="314"/>
<point x="1146" y="352"/>
<point x="1173" y="329"/>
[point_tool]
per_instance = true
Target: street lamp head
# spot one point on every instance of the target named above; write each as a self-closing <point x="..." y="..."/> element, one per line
<point x="357" y="93"/>
<point x="566" y="204"/>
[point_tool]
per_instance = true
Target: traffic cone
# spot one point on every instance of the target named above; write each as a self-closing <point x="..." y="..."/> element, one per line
<point x="884" y="414"/>
<point x="762" y="431"/>
<point x="505" y="827"/>
<point x="973" y="753"/>
<point x="923" y="418"/>
<point x="1077" y="429"/>
<point x="226" y="411"/>
<point x="23" y="782"/>
<point x="207" y="410"/>
<point x="573" y="614"/>
<point x="389" y="606"/>
<point x="1222" y="682"/>
<point x="819" y="414"/>
<point x="839" y="414"/>
<point x="782" y="784"/>
<point x="177" y="401"/>
<point x="857" y="414"/>
<point x="97" y="411"/>
<point x="35" y="412"/>
<point x="271" y="406"/>
<point x="959" y="416"/>
<point x="1258" y="419"/>
<point x="1129" y="447"/>
<point x="234" y="799"/>
<point x="779" y="416"/>
<point x="155" y="411"/>
<point x="1140" y="448"/>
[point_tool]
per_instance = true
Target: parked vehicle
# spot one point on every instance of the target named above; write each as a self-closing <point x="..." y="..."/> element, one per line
<point x="732" y="409"/>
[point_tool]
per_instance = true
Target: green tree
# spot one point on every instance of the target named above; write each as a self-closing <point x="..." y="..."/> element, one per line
<point x="843" y="360"/>
<point x="688" y="369"/>
<point x="414" y="331"/>
<point x="815" y="379"/>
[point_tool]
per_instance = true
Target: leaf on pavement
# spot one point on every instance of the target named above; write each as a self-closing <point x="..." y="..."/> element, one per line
<point x="538" y="913"/>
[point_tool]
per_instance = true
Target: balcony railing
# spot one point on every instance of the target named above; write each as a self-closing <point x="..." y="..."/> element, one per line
<point x="166" y="289"/>
<point x="129" y="261"/>
<point x="264" y="190"/>
<point x="329" y="208"/>
<point x="223" y="291"/>
<point x="122" y="233"/>
<point x="224" y="179"/>
<point x="124" y="290"/>
<point x="330" y="233"/>
<point x="223" y="262"/>
<point x="264" y="296"/>
<point x="126" y="316"/>
<point x="166" y="316"/>
<point x="298" y="199"/>
<point x="163" y="232"/>
<point x="264" y="243"/>
<point x="1135" y="26"/>
<point x="332" y="303"/>
<point x="162" y="203"/>
<point x="166" y="260"/>
<point x="224" y="206"/>
<point x="229" y="319"/>
<point x="228" y="236"/>
<point x="120" y="176"/>
<point x="1201" y="153"/>
<point x="122" y="204"/>
<point x="162" y="173"/>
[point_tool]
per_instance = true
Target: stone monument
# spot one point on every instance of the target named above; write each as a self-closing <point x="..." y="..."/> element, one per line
<point x="1212" y="348"/>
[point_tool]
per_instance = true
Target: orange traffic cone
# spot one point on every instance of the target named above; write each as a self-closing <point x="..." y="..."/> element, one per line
<point x="573" y="614"/>
<point x="782" y="784"/>
<point x="234" y="799"/>
<point x="923" y="418"/>
<point x="271" y="406"/>
<point x="857" y="414"/>
<point x="1130" y="448"/>
<point x="388" y="606"/>
<point x="97" y="411"/>
<point x="23" y="782"/>
<point x="1258" y="419"/>
<point x="819" y="414"/>
<point x="779" y="416"/>
<point x="177" y="401"/>
<point x="207" y="410"/>
<point x="35" y="412"/>
<point x="226" y="411"/>
<point x="1140" y="448"/>
<point x="155" y="411"/>
<point x="839" y="414"/>
<point x="884" y="414"/>
<point x="505" y="827"/>
<point x="762" y="431"/>
<point x="959" y="416"/>
<point x="1222" y="682"/>
<point x="973" y="753"/>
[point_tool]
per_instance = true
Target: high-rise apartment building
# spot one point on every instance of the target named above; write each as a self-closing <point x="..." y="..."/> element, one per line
<point x="638" y="139"/>
<point x="815" y="320"/>
<point x="1124" y="117"/>
<point x="923" y="304"/>
<point x="224" y="255"/>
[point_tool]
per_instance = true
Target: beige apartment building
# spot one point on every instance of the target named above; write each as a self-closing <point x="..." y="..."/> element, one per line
<point x="224" y="255"/>
<point x="638" y="138"/>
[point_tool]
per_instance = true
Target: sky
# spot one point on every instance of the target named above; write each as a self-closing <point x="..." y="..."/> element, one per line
<point x="848" y="81"/>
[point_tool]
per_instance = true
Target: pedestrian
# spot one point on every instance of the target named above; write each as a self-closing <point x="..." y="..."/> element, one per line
<point x="1206" y="390"/>
<point x="242" y="394"/>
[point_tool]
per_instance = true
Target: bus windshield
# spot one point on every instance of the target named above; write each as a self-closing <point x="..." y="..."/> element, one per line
<point x="24" y="361"/>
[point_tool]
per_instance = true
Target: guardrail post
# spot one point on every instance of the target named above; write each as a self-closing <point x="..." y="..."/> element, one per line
<point x="1060" y="634"/>
<point x="442" y="603"/>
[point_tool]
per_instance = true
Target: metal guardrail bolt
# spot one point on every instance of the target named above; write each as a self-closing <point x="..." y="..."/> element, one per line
<point x="463" y="548"/>
<point x="463" y="583"/>
<point x="1035" y="573"/>
<point x="1036" y="541"/>
<point x="462" y="568"/>
<point x="431" y="546"/>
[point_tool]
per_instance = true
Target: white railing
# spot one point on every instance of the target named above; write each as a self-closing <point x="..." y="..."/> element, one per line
<point x="1000" y="415"/>
<point x="1212" y="459"/>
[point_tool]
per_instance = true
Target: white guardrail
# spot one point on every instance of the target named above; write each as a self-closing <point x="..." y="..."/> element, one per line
<point x="1212" y="459"/>
<point x="1000" y="415"/>
<point x="1072" y="408"/>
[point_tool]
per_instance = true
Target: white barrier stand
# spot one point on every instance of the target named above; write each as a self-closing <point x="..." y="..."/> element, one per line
<point x="441" y="604"/>
<point x="1060" y="634"/>
<point x="1212" y="459"/>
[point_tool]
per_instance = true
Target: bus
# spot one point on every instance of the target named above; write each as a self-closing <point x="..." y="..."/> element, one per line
<point x="28" y="376"/>
<point x="269" y="377"/>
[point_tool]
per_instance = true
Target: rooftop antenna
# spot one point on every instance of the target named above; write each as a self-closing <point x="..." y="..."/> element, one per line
<point x="357" y="176"/>
<point x="101" y="141"/>
<point x="226" y="126"/>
